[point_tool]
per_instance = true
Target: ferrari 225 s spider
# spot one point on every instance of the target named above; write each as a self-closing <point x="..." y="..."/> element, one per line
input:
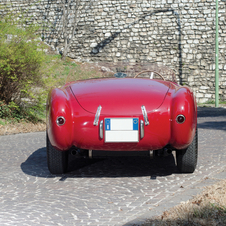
<point x="122" y="113"/>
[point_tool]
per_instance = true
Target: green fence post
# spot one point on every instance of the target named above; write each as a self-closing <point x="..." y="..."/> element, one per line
<point x="216" y="61"/>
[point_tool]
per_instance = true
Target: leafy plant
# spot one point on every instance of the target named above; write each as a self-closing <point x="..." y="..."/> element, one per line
<point x="21" y="57"/>
<point x="13" y="113"/>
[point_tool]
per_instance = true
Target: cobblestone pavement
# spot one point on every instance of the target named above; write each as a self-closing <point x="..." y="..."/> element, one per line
<point x="109" y="191"/>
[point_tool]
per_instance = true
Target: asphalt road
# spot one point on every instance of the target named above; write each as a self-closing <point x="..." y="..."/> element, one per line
<point x="111" y="191"/>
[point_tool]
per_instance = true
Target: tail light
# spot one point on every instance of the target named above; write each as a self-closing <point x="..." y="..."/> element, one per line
<point x="60" y="121"/>
<point x="180" y="119"/>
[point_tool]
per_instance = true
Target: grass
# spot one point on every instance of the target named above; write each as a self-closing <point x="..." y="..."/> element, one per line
<point x="58" y="72"/>
<point x="22" y="126"/>
<point x="211" y="102"/>
<point x="207" y="209"/>
<point x="2" y="122"/>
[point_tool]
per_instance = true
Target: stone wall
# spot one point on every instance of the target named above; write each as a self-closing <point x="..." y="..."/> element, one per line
<point x="176" y="33"/>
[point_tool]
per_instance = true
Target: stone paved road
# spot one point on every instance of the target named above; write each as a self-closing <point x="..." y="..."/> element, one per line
<point x="102" y="192"/>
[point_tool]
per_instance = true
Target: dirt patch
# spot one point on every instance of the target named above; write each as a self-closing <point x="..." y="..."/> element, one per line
<point x="207" y="208"/>
<point x="23" y="127"/>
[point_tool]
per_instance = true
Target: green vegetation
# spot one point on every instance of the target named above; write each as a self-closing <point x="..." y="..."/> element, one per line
<point x="58" y="72"/>
<point x="210" y="102"/>
<point x="27" y="73"/>
<point x="21" y="58"/>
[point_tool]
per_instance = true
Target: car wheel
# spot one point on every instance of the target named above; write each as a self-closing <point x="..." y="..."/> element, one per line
<point x="187" y="158"/>
<point x="57" y="160"/>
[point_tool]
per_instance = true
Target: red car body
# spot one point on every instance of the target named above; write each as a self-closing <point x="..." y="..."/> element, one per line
<point x="163" y="102"/>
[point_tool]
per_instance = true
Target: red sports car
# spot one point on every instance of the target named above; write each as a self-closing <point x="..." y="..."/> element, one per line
<point x="129" y="109"/>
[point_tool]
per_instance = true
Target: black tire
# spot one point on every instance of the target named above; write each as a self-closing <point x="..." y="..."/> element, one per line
<point x="57" y="160"/>
<point x="187" y="158"/>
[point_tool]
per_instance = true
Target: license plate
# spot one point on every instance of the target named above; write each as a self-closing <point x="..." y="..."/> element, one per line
<point x="121" y="130"/>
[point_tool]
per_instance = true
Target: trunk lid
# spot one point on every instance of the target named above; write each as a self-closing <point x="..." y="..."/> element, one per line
<point x="123" y="96"/>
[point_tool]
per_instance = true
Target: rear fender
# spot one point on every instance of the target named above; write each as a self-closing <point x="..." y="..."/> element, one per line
<point x="183" y="103"/>
<point x="58" y="104"/>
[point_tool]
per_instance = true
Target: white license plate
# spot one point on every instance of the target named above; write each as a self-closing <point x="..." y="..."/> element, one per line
<point x="121" y="130"/>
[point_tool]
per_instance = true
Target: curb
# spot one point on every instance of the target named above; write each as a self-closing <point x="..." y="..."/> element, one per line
<point x="174" y="201"/>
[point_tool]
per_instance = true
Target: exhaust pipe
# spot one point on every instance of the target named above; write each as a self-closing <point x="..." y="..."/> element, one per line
<point x="167" y="151"/>
<point x="151" y="152"/>
<point x="79" y="152"/>
<point x="90" y="154"/>
<point x="162" y="152"/>
<point x="74" y="152"/>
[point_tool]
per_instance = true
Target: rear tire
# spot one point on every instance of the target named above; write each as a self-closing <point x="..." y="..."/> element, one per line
<point x="187" y="158"/>
<point x="57" y="160"/>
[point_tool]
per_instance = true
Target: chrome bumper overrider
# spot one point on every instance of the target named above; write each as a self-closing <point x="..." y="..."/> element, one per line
<point x="144" y="112"/>
<point x="96" y="120"/>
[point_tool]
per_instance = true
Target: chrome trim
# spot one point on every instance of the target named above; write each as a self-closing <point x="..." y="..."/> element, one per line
<point x="90" y="154"/>
<point x="101" y="129"/>
<point x="141" y="129"/>
<point x="58" y="122"/>
<point x="144" y="112"/>
<point x="179" y="116"/>
<point x="96" y="120"/>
